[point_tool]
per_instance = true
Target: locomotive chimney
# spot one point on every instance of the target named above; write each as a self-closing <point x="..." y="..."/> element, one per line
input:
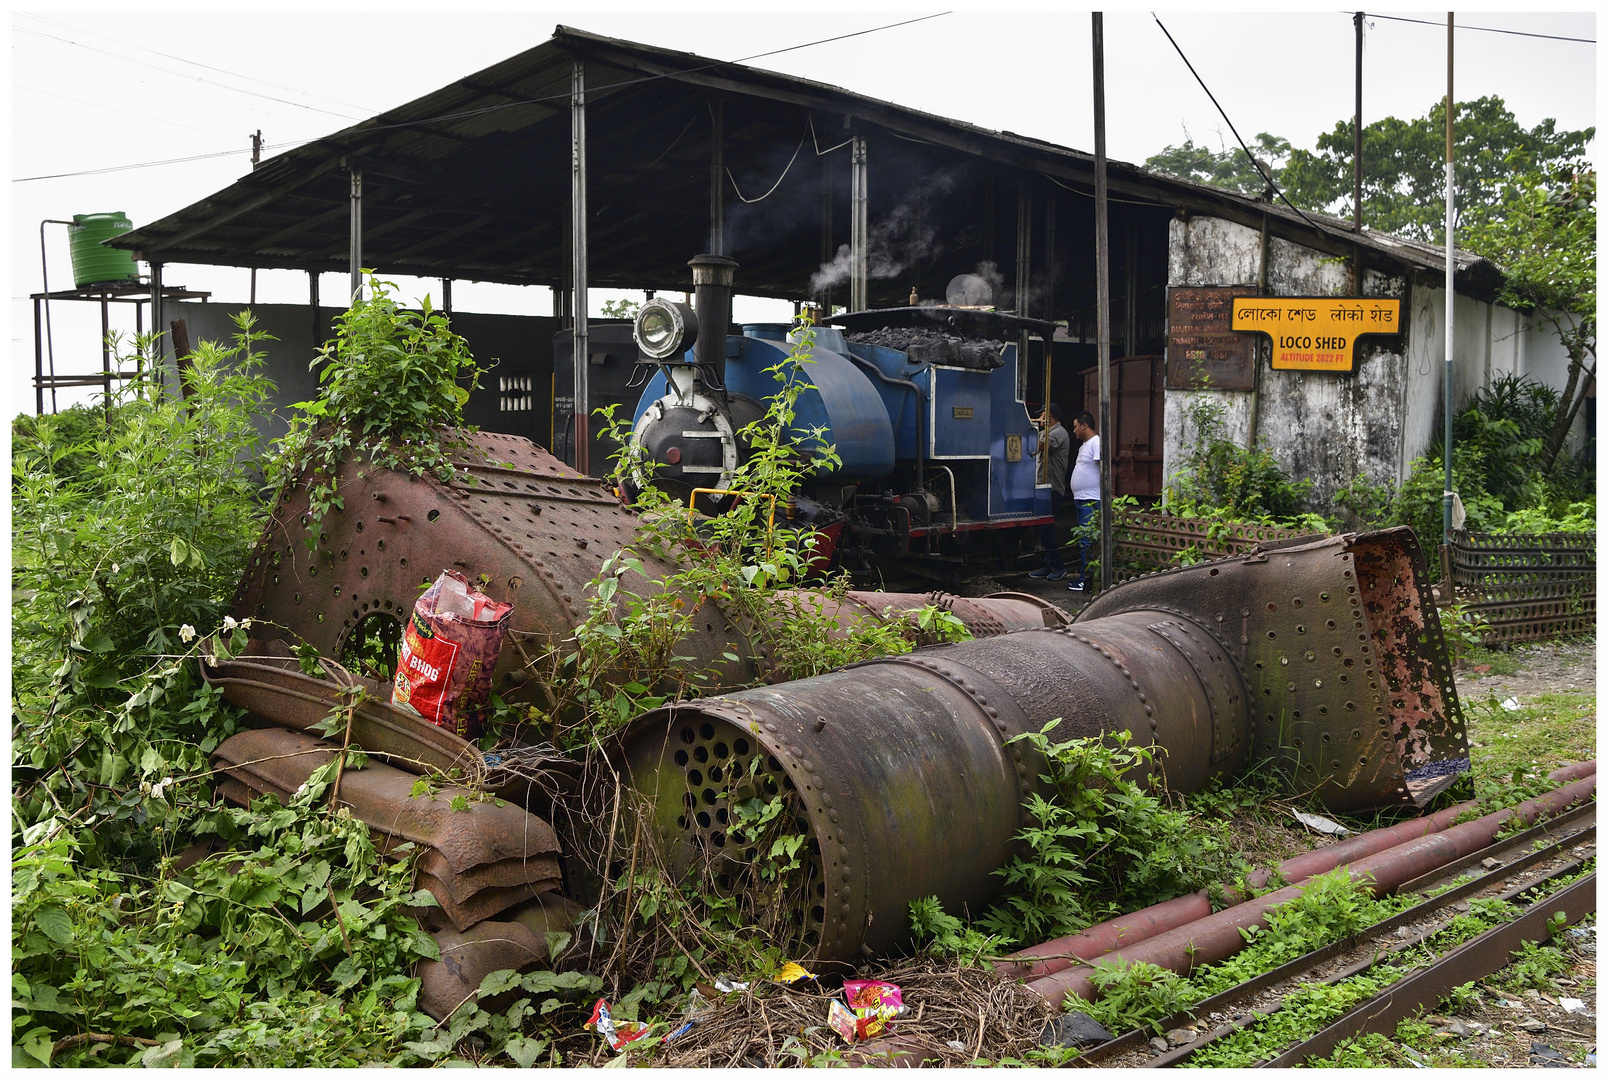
<point x="712" y="279"/>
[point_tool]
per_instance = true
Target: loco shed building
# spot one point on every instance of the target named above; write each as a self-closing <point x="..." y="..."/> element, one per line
<point x="825" y="195"/>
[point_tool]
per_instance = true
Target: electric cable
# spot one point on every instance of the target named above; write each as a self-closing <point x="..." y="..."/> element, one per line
<point x="181" y="59"/>
<point x="466" y="113"/>
<point x="1254" y="163"/>
<point x="181" y="75"/>
<point x="1487" y="29"/>
<point x="112" y="108"/>
<point x="774" y="186"/>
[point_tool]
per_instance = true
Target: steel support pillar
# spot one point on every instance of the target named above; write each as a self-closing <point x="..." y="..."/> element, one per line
<point x="1102" y="273"/>
<point x="578" y="270"/>
<point x="717" y="186"/>
<point x="355" y="245"/>
<point x="859" y="227"/>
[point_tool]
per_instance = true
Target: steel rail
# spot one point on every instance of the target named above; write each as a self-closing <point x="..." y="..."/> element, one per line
<point x="1173" y="1057"/>
<point x="1484" y="955"/>
<point x="1229" y="998"/>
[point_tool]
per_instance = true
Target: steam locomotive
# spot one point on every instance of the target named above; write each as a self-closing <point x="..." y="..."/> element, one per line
<point x="924" y="406"/>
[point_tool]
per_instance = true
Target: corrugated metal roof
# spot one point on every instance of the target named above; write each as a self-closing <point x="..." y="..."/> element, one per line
<point x="472" y="181"/>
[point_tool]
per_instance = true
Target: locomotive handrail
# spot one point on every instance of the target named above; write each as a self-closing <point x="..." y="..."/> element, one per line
<point x="770" y="524"/>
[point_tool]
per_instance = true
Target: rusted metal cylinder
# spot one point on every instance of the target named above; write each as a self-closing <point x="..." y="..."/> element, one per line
<point x="536" y="532"/>
<point x="1319" y="654"/>
<point x="1126" y="930"/>
<point x="900" y="770"/>
<point x="1353" y="694"/>
<point x="1219" y="936"/>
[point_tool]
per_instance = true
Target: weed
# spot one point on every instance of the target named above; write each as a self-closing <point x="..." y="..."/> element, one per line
<point x="1100" y="835"/>
<point x="943" y="935"/>
<point x="1137" y="994"/>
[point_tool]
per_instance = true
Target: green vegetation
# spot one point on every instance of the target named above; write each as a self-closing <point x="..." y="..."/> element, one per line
<point x="1227" y="167"/>
<point x="1102" y="844"/>
<point x="1541" y="734"/>
<point x="390" y="396"/>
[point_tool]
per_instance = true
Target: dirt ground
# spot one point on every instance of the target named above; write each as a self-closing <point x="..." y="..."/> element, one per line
<point x="1545" y="667"/>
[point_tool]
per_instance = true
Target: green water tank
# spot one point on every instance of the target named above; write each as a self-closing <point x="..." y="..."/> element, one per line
<point x="94" y="264"/>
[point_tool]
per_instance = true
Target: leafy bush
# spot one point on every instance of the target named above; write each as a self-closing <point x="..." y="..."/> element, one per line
<point x="1102" y="845"/>
<point x="1219" y="479"/>
<point x="390" y="393"/>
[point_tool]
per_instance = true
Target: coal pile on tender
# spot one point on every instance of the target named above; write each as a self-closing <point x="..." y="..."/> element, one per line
<point x="935" y="347"/>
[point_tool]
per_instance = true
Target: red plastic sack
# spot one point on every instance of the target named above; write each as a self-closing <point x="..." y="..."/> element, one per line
<point x="448" y="652"/>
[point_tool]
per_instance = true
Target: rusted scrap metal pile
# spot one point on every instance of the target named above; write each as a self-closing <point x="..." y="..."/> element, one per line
<point x="1318" y="658"/>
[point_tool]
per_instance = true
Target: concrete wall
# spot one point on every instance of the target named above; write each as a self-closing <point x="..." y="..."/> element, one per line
<point x="515" y="397"/>
<point x="1330" y="428"/>
<point x="1319" y="426"/>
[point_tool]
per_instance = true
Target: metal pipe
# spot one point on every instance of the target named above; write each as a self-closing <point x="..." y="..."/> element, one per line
<point x="50" y="338"/>
<point x="1255" y="406"/>
<point x="1219" y="936"/>
<point x="859" y="225"/>
<point x="1451" y="294"/>
<point x="158" y="369"/>
<point x="1102" y="272"/>
<point x="717" y="179"/>
<point x="712" y="278"/>
<point x="1095" y="941"/>
<point x="578" y="272"/>
<point x="1356" y="164"/>
<point x="1024" y="274"/>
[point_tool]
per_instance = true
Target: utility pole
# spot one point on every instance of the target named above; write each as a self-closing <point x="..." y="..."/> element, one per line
<point x="1451" y="293"/>
<point x="1102" y="275"/>
<point x="1356" y="163"/>
<point x="256" y="160"/>
<point x="578" y="271"/>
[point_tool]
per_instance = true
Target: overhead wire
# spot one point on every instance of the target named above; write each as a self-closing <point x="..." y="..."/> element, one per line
<point x="182" y="59"/>
<point x="779" y="179"/>
<point x="1486" y="29"/>
<point x="182" y="75"/>
<point x="1254" y="163"/>
<point x="466" y="113"/>
<point x="113" y="108"/>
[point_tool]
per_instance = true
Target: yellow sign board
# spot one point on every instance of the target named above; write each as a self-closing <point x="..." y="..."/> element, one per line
<point x="1315" y="333"/>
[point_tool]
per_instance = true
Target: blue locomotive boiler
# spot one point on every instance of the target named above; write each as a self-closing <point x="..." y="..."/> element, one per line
<point x="923" y="406"/>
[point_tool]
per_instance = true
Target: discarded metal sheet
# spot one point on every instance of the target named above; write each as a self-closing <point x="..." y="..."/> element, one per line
<point x="1352" y="692"/>
<point x="536" y="532"/>
<point x="1314" y="656"/>
<point x="516" y="942"/>
<point x="1153" y="541"/>
<point x="275" y="689"/>
<point x="534" y="529"/>
<point x="481" y="859"/>
<point x="1527" y="587"/>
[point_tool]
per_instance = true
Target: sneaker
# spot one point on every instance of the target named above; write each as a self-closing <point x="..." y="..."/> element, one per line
<point x="1041" y="572"/>
<point x="1057" y="576"/>
<point x="1076" y="586"/>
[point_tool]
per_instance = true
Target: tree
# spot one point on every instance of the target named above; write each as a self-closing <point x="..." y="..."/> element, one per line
<point x="1541" y="228"/>
<point x="620" y="309"/>
<point x="1228" y="168"/>
<point x="1404" y="166"/>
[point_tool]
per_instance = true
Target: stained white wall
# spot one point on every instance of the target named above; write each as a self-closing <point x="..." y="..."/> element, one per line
<point x="1331" y="428"/>
<point x="1322" y="427"/>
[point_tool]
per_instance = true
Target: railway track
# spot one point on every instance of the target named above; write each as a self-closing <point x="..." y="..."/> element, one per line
<point x="1519" y="869"/>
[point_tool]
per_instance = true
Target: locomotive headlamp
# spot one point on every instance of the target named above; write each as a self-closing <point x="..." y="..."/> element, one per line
<point x="665" y="328"/>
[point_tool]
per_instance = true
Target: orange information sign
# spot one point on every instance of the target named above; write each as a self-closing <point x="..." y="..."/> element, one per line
<point x="1316" y="333"/>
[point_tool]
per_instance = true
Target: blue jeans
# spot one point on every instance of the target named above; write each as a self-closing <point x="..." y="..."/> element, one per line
<point x="1086" y="510"/>
<point x="1052" y="554"/>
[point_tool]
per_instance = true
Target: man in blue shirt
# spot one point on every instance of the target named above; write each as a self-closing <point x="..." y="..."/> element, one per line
<point x="1085" y="488"/>
<point x="1055" y="447"/>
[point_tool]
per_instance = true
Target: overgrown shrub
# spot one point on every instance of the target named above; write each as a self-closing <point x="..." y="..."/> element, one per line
<point x="1219" y="479"/>
<point x="1102" y="845"/>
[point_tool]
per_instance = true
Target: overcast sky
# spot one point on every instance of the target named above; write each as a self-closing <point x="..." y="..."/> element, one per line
<point x="94" y="91"/>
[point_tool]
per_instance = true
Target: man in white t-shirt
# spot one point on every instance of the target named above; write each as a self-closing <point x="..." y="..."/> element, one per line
<point x="1085" y="487"/>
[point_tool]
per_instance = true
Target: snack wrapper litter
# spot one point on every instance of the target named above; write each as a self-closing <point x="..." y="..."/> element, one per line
<point x="449" y="648"/>
<point x="871" y="1005"/>
<point x="616" y="1033"/>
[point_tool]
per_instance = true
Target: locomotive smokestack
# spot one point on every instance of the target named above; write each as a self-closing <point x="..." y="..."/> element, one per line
<point x="712" y="277"/>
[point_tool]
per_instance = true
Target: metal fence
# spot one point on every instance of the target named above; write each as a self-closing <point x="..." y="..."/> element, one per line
<point x="1148" y="542"/>
<point x="1527" y="587"/>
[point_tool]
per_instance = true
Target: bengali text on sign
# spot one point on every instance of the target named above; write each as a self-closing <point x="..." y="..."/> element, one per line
<point x="1315" y="333"/>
